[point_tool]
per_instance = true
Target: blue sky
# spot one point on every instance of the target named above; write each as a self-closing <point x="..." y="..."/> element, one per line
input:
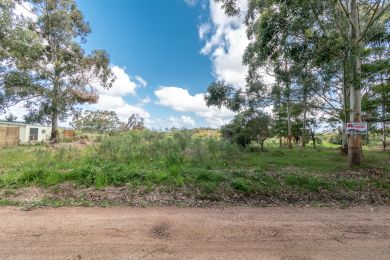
<point x="164" y="55"/>
<point x="156" y="39"/>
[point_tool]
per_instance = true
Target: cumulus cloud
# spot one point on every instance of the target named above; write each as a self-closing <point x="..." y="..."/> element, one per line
<point x="122" y="86"/>
<point x="119" y="106"/>
<point x="179" y="99"/>
<point x="227" y="43"/>
<point x="113" y="99"/>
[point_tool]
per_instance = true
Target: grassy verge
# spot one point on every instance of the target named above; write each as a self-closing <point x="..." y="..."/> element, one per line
<point x="184" y="167"/>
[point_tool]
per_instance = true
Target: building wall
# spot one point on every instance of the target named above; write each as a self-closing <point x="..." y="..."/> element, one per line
<point x="43" y="134"/>
<point x="22" y="134"/>
<point x="24" y="131"/>
<point x="9" y="136"/>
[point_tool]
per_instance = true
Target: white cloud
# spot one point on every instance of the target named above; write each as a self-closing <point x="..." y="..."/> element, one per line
<point x="227" y="43"/>
<point x="119" y="106"/>
<point x="179" y="99"/>
<point x="122" y="86"/>
<point x="181" y="122"/>
<point x="141" y="81"/>
<point x="113" y="99"/>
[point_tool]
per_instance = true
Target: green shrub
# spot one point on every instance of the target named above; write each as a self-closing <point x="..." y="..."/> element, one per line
<point x="242" y="185"/>
<point x="101" y="180"/>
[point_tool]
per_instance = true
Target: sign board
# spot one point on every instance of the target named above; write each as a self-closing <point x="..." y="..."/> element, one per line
<point x="359" y="128"/>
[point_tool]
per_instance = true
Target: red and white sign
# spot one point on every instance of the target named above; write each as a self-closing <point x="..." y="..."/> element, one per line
<point x="357" y="128"/>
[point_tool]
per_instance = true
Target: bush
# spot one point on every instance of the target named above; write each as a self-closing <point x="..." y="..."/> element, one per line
<point x="242" y="184"/>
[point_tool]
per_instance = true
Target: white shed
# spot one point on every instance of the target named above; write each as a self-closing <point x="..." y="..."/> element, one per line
<point x="28" y="133"/>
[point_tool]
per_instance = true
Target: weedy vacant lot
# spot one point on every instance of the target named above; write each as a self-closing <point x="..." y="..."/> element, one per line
<point x="180" y="168"/>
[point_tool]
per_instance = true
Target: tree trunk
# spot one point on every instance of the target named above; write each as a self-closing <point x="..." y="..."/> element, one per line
<point x="313" y="138"/>
<point x="384" y="127"/>
<point x="384" y="136"/>
<point x="280" y="140"/>
<point x="289" y="132"/>
<point x="305" y="90"/>
<point x="344" y="140"/>
<point x="384" y="102"/>
<point x="54" y="110"/>
<point x="355" y="151"/>
<point x="54" y="128"/>
<point x="304" y="126"/>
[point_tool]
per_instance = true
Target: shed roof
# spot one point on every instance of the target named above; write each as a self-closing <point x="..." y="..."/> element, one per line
<point x="20" y="123"/>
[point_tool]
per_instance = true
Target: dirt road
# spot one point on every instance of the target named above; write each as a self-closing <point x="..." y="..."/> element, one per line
<point x="188" y="233"/>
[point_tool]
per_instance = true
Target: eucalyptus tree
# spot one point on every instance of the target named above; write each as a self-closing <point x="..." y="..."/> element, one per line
<point x="16" y="41"/>
<point x="376" y="77"/>
<point x="361" y="16"/>
<point x="336" y="30"/>
<point x="60" y="74"/>
<point x="6" y="8"/>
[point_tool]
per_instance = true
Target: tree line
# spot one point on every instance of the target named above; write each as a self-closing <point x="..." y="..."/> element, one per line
<point x="329" y="60"/>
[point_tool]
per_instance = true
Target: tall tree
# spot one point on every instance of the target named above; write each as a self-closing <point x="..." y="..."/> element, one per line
<point x="16" y="41"/>
<point x="376" y="78"/>
<point x="361" y="17"/>
<point x="274" y="25"/>
<point x="60" y="74"/>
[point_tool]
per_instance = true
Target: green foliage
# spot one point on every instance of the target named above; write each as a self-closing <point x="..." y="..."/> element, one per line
<point x="314" y="49"/>
<point x="97" y="122"/>
<point x="242" y="184"/>
<point x="248" y="126"/>
<point x="16" y="41"/>
<point x="5" y="202"/>
<point x="220" y="94"/>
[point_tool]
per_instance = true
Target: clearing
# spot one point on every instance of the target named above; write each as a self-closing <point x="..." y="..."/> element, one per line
<point x="188" y="233"/>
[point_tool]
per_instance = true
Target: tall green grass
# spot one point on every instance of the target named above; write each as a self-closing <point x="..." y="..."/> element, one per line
<point x="181" y="159"/>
